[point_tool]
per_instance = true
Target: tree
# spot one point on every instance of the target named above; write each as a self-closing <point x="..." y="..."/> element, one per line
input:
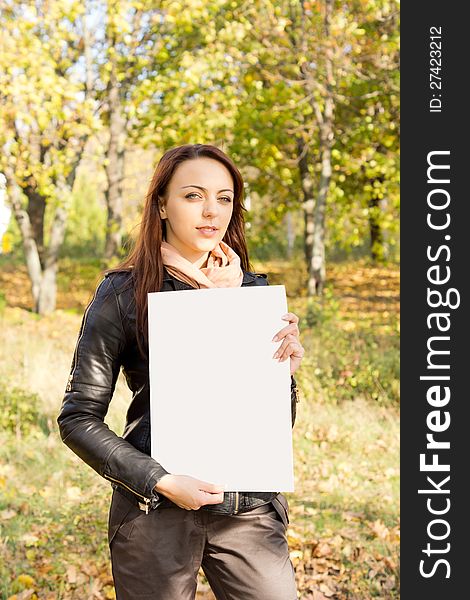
<point x="150" y="67"/>
<point x="366" y="157"/>
<point x="47" y="119"/>
<point x="318" y="69"/>
<point x="130" y="35"/>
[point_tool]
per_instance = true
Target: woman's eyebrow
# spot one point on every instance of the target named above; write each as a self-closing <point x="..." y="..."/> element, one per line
<point x="204" y="189"/>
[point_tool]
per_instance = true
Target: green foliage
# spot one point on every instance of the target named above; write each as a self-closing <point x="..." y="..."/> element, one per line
<point x="21" y="412"/>
<point x="41" y="47"/>
<point x="365" y="187"/>
<point x="229" y="73"/>
<point x="16" y="250"/>
<point x="349" y="364"/>
<point x="363" y="47"/>
<point x="267" y="243"/>
<point x="321" y="310"/>
<point x="3" y="303"/>
<point x="86" y="222"/>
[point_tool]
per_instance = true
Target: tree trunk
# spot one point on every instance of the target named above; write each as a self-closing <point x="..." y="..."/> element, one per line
<point x="317" y="270"/>
<point x="377" y="246"/>
<point x="33" y="263"/>
<point x="41" y="274"/>
<point x="36" y="210"/>
<point x="46" y="301"/>
<point x="325" y="119"/>
<point x="114" y="169"/>
<point x="290" y="234"/>
<point x="308" y="204"/>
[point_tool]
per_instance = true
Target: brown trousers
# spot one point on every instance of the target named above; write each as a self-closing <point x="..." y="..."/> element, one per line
<point x="158" y="556"/>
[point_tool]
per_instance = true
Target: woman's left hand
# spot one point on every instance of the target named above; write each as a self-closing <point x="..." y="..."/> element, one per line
<point x="291" y="346"/>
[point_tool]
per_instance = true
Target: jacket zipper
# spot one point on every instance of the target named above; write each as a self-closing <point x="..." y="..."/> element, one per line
<point x="145" y="499"/>
<point x="296" y="392"/>
<point x="236" y="503"/>
<point x="69" y="382"/>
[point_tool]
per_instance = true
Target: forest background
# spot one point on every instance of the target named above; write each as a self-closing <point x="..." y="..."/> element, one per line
<point x="304" y="96"/>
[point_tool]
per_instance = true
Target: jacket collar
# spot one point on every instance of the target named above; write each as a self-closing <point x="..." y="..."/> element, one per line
<point x="248" y="277"/>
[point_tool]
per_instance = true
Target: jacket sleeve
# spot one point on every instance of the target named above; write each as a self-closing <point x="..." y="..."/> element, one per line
<point x="95" y="368"/>
<point x="294" y="390"/>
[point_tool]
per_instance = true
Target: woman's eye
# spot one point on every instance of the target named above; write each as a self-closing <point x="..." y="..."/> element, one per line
<point x="226" y="198"/>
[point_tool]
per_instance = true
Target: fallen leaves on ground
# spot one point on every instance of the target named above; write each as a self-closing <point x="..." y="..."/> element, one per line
<point x="355" y="557"/>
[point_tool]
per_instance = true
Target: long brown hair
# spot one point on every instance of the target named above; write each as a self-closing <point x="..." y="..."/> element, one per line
<point x="145" y="259"/>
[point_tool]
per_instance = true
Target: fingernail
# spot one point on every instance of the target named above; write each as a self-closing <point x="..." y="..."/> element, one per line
<point x="275" y="355"/>
<point x="275" y="338"/>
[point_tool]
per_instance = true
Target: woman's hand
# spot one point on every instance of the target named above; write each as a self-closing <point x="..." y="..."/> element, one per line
<point x="291" y="346"/>
<point x="188" y="492"/>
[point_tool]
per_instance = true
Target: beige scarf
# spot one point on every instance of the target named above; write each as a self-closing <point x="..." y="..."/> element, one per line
<point x="223" y="267"/>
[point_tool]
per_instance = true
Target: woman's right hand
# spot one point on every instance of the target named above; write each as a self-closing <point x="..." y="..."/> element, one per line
<point x="188" y="492"/>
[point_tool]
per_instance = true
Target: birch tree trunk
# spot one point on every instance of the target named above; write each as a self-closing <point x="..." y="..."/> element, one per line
<point x="308" y="203"/>
<point x="31" y="253"/>
<point x="114" y="168"/>
<point x="317" y="270"/>
<point x="42" y="272"/>
<point x="323" y="105"/>
<point x="290" y="234"/>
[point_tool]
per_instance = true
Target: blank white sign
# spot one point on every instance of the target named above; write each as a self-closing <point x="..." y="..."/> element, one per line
<point x="219" y="403"/>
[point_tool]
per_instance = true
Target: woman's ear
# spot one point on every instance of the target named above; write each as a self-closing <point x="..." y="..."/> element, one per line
<point x="161" y="206"/>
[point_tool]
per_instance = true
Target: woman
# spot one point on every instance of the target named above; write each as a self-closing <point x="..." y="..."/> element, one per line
<point x="164" y="526"/>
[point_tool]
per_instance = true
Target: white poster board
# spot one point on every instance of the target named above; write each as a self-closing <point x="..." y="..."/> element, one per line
<point x="220" y="404"/>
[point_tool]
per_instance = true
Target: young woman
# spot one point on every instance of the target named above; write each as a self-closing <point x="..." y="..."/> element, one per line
<point x="163" y="526"/>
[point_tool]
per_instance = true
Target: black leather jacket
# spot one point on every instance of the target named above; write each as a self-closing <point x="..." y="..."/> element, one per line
<point x="107" y="342"/>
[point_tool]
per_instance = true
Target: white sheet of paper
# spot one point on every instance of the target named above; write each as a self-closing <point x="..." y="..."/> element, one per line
<point x="219" y="403"/>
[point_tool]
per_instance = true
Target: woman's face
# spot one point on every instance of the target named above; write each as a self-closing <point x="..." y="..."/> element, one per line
<point x="199" y="194"/>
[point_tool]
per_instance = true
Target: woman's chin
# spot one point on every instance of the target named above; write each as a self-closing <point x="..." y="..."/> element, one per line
<point x="207" y="245"/>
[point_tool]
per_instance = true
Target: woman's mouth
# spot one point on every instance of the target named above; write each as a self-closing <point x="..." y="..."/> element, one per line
<point x="207" y="231"/>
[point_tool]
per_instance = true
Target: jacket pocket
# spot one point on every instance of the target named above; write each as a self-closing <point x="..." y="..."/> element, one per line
<point x="118" y="511"/>
<point x="282" y="508"/>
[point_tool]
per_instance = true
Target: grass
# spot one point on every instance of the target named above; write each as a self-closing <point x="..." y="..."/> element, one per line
<point x="344" y="529"/>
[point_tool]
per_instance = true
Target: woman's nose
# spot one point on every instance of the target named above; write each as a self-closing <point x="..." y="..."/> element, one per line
<point x="210" y="207"/>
